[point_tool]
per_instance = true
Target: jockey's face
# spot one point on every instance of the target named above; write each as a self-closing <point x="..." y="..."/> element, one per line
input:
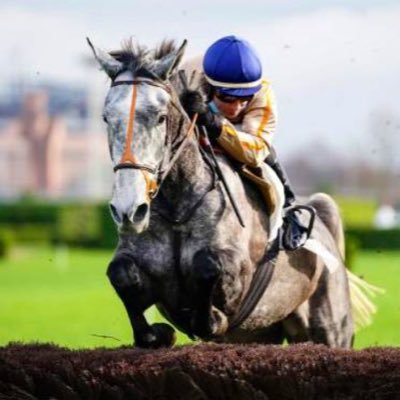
<point x="229" y="106"/>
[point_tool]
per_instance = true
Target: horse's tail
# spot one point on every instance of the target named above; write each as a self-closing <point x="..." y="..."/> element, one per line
<point x="361" y="292"/>
<point x="329" y="213"/>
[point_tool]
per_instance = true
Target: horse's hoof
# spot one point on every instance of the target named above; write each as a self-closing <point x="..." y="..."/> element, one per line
<point x="211" y="327"/>
<point x="220" y="325"/>
<point x="161" y="335"/>
<point x="201" y="327"/>
<point x="165" y="334"/>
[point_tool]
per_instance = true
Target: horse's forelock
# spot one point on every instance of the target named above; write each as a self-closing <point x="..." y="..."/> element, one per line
<point x="138" y="59"/>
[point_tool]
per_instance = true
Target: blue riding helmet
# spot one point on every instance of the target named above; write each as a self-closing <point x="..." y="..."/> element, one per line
<point x="233" y="67"/>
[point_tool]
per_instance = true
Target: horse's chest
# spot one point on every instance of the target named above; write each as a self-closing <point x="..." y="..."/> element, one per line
<point x="164" y="255"/>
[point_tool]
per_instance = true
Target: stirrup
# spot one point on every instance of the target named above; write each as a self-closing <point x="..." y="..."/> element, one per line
<point x="292" y="243"/>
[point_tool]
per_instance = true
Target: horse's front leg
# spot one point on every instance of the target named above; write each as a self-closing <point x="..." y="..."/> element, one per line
<point x="135" y="290"/>
<point x="206" y="321"/>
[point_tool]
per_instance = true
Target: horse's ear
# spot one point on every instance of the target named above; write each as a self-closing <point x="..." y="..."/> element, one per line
<point x="165" y="67"/>
<point x="109" y="64"/>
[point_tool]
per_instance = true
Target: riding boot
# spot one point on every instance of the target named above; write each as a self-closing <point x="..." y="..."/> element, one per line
<point x="294" y="233"/>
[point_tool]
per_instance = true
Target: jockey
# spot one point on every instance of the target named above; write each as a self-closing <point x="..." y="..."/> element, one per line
<point x="240" y="116"/>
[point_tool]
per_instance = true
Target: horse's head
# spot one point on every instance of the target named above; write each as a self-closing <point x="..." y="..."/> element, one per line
<point x="136" y="111"/>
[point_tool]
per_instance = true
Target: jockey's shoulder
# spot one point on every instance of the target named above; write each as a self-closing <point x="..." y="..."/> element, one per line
<point x="265" y="86"/>
<point x="263" y="96"/>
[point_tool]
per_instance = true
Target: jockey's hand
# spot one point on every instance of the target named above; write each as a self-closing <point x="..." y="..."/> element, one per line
<point x="194" y="102"/>
<point x="212" y="122"/>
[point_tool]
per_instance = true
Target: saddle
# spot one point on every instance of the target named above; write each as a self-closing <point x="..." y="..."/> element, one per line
<point x="272" y="191"/>
<point x="261" y="178"/>
<point x="266" y="181"/>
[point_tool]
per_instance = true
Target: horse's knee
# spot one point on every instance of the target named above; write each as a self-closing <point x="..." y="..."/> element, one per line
<point x="206" y="266"/>
<point x="122" y="272"/>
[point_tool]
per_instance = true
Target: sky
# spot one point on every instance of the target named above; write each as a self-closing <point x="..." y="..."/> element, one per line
<point x="334" y="65"/>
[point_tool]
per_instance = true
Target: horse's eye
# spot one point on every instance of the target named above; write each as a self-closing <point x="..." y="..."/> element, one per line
<point x="105" y="119"/>
<point x="162" y="119"/>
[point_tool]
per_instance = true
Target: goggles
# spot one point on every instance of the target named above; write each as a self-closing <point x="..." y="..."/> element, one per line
<point x="232" y="99"/>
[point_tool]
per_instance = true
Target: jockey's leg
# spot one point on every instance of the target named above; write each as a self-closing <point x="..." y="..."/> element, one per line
<point x="273" y="162"/>
<point x="294" y="233"/>
<point x="134" y="289"/>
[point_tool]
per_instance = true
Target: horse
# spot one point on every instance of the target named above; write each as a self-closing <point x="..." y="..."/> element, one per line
<point x="180" y="245"/>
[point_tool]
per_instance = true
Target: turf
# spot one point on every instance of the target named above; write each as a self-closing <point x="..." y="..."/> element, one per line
<point x="381" y="269"/>
<point x="60" y="296"/>
<point x="63" y="296"/>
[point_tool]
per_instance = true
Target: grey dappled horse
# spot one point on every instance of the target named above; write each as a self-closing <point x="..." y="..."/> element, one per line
<point x="181" y="246"/>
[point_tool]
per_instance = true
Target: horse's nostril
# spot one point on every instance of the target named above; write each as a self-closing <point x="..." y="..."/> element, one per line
<point x="140" y="213"/>
<point x="114" y="213"/>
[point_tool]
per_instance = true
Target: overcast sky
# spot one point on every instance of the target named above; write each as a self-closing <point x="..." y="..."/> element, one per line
<point x="333" y="64"/>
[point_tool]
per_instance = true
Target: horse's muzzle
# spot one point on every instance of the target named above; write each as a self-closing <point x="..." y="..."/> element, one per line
<point x="132" y="219"/>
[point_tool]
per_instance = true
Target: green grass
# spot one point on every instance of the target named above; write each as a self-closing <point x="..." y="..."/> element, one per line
<point x="60" y="296"/>
<point x="381" y="269"/>
<point x="63" y="296"/>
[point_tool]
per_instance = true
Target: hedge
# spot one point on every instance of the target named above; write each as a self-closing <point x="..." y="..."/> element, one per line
<point x="357" y="212"/>
<point x="31" y="232"/>
<point x="23" y="213"/>
<point x="74" y="224"/>
<point x="87" y="224"/>
<point x="6" y="242"/>
<point x="374" y="239"/>
<point x="109" y="236"/>
<point x="78" y="225"/>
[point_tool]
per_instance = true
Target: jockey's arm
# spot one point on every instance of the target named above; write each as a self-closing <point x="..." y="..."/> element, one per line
<point x="250" y="143"/>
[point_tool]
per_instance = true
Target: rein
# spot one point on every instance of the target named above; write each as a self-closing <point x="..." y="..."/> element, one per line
<point x="176" y="222"/>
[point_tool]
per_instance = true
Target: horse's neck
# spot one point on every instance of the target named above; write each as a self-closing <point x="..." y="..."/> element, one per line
<point x="189" y="177"/>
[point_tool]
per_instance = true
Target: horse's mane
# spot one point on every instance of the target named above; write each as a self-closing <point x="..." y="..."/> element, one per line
<point x="138" y="58"/>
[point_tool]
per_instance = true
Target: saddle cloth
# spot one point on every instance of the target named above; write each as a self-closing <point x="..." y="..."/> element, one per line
<point x="272" y="191"/>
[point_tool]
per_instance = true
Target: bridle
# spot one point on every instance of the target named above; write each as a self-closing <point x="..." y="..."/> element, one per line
<point x="153" y="176"/>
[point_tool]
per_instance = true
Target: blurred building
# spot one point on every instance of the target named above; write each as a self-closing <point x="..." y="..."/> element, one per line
<point x="41" y="155"/>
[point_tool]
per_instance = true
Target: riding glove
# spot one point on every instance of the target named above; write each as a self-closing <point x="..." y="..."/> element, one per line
<point x="193" y="102"/>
